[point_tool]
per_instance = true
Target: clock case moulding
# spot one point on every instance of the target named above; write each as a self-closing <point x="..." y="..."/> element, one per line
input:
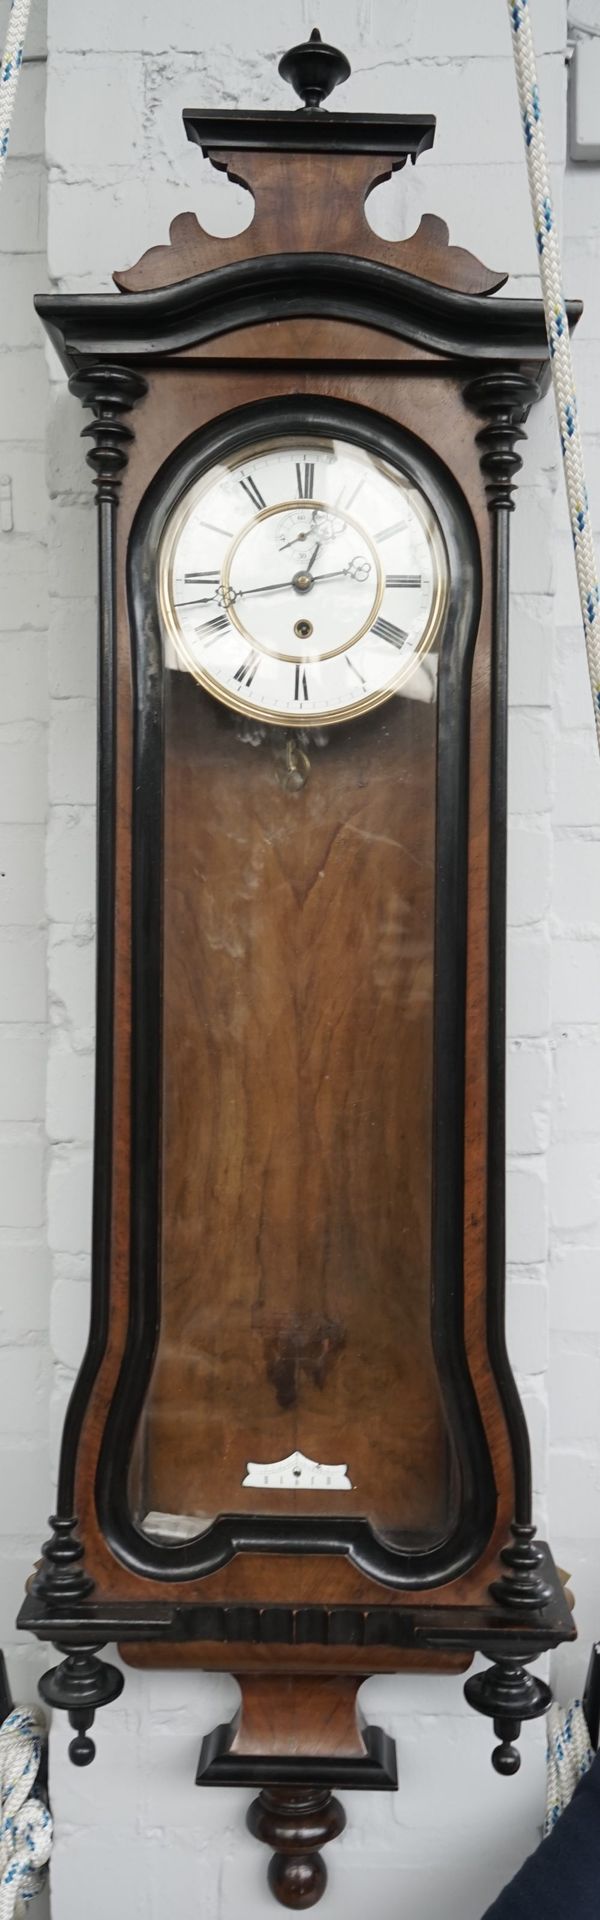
<point x="305" y="318"/>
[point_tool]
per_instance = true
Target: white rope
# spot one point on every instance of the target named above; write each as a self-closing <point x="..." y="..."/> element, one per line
<point x="568" y="1757"/>
<point x="558" y="339"/>
<point x="12" y="61"/>
<point x="25" y="1823"/>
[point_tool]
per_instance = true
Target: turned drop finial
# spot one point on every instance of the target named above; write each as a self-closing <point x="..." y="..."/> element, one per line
<point x="313" y="69"/>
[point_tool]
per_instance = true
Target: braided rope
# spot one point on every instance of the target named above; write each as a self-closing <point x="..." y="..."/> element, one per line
<point x="568" y="1757"/>
<point x="25" y="1823"/>
<point x="12" y="61"/>
<point x="558" y="339"/>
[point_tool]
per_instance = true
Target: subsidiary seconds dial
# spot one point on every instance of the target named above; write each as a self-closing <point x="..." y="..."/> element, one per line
<point x="303" y="582"/>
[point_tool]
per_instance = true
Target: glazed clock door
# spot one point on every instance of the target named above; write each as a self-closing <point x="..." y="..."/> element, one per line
<point x="304" y="597"/>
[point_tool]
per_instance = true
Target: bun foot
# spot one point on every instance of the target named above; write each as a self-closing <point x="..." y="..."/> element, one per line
<point x="296" y="1822"/>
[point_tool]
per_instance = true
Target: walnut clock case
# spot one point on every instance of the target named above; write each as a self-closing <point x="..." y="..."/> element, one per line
<point x="295" y="1449"/>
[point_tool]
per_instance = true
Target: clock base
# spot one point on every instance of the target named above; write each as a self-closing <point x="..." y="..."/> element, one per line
<point x="297" y="1737"/>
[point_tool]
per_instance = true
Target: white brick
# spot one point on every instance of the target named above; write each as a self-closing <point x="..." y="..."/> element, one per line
<point x="575" y="980"/>
<point x="22" y="974"/>
<point x="439" y="31"/>
<point x="574" y="1290"/>
<point x="577" y="802"/>
<point x="24" y="1287"/>
<point x="66" y="466"/>
<point x="575" y="1493"/>
<point x="528" y="983"/>
<point x="73" y="752"/>
<point x="530" y="660"/>
<point x="576" y="1090"/>
<point x="70" y="1091"/>
<point x="587" y="375"/>
<point x="23" y="694"/>
<point x="25" y="1665"/>
<point x="529" y="875"/>
<point x="70" y="1199"/>
<point x="574" y="1384"/>
<point x="532" y="553"/>
<point x="567" y="610"/>
<point x="576" y="888"/>
<point x="23" y="1389"/>
<point x="72" y="649"/>
<point x="22" y="216"/>
<point x="25" y="468"/>
<point x="108" y="1858"/>
<point x="22" y="393"/>
<point x="69" y="1321"/>
<point x="23" y="275"/>
<point x="26" y="1490"/>
<point x="528" y="1098"/>
<point x="21" y="875"/>
<point x="62" y="1385"/>
<point x="527" y="1325"/>
<point x="27" y="130"/>
<point x="72" y="548"/>
<point x="70" y="862"/>
<point x="535" y="1408"/>
<point x="23" y="586"/>
<point x="23" y="780"/>
<point x="71" y="975"/>
<point x="21" y="1176"/>
<point x="574" y="1185"/>
<point x="16" y="1562"/>
<point x="74" y="90"/>
<point x="530" y="763"/>
<point x="22" y="1073"/>
<point x="526" y="1214"/>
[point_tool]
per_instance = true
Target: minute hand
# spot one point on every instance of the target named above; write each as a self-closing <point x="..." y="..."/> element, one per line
<point x="280" y="586"/>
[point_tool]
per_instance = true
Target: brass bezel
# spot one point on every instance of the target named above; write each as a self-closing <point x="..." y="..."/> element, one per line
<point x="235" y="702"/>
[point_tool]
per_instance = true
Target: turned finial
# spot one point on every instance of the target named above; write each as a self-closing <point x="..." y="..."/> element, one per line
<point x="313" y="69"/>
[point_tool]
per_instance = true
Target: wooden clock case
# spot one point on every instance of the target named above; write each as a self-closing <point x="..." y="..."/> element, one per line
<point x="307" y="320"/>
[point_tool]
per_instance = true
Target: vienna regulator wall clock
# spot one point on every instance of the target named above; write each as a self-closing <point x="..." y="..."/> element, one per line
<point x="295" y="1449"/>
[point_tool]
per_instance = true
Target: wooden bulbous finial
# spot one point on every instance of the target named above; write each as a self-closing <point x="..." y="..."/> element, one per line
<point x="313" y="69"/>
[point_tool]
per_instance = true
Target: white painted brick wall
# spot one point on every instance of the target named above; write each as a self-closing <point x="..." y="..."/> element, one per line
<point x="118" y="171"/>
<point x="25" y="1361"/>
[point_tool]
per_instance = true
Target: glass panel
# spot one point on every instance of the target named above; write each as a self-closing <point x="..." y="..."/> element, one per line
<point x="294" y="1370"/>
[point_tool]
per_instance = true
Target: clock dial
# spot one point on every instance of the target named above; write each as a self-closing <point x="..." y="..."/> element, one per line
<point x="304" y="582"/>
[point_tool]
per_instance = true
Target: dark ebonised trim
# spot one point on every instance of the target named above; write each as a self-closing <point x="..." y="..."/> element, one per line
<point x="446" y="1628"/>
<point x="230" y="1534"/>
<point x="400" y="136"/>
<point x="110" y="392"/>
<point x="146" y="326"/>
<point x="503" y="397"/>
<point x="218" y="1767"/>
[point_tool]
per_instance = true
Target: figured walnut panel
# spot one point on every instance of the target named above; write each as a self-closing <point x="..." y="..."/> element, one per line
<point x="298" y="951"/>
<point x="432" y="407"/>
<point x="308" y="203"/>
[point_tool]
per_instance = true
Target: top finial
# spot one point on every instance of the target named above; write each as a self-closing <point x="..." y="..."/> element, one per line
<point x="314" y="69"/>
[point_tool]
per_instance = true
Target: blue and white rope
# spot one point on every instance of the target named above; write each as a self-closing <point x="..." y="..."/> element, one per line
<point x="12" y="61"/>
<point x="568" y="1757"/>
<point x="558" y="338"/>
<point x="25" y="1823"/>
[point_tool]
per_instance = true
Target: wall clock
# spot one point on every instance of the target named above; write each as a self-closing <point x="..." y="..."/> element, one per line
<point x="295" y="1448"/>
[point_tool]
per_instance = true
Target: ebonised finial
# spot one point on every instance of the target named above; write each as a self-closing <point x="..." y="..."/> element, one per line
<point x="313" y="69"/>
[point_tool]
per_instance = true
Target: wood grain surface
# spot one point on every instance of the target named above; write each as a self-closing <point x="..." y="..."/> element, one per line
<point x="428" y="401"/>
<point x="308" y="202"/>
<point x="298" y="989"/>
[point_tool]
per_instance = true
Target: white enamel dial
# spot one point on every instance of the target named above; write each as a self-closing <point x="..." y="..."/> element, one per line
<point x="303" y="582"/>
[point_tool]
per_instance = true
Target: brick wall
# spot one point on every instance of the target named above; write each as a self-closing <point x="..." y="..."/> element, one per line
<point x="118" y="171"/>
<point x="24" y="1284"/>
